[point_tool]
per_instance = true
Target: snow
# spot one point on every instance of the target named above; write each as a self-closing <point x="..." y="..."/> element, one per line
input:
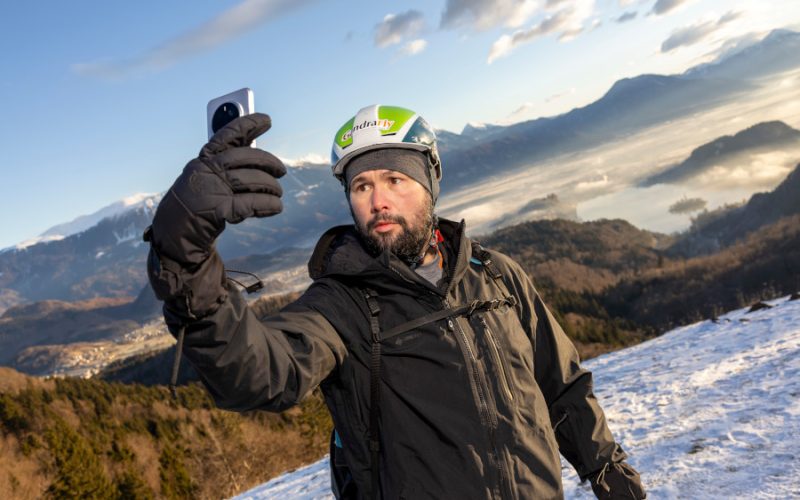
<point x="710" y="410"/>
<point x="146" y="201"/>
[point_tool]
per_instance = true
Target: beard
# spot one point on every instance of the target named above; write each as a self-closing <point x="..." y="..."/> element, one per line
<point x="409" y="243"/>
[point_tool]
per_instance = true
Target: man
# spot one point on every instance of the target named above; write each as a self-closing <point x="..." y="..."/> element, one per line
<point x="444" y="372"/>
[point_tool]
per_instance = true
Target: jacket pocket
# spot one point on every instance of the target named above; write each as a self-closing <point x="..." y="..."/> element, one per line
<point x="504" y="373"/>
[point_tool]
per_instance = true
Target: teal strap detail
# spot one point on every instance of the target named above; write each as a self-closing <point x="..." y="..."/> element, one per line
<point x="336" y="439"/>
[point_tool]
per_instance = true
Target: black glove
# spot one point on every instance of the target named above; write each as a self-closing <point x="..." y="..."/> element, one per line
<point x="228" y="182"/>
<point x="618" y="481"/>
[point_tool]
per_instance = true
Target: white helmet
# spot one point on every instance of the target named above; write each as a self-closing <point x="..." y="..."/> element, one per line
<point x="379" y="126"/>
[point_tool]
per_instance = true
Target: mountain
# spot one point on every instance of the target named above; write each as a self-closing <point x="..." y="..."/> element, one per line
<point x="776" y="52"/>
<point x="761" y="265"/>
<point x="140" y="201"/>
<point x="107" y="259"/>
<point x="579" y="256"/>
<point x="711" y="231"/>
<point x="630" y="104"/>
<point x="760" y="137"/>
<point x="35" y="336"/>
<point x="82" y="338"/>
<point x="738" y="378"/>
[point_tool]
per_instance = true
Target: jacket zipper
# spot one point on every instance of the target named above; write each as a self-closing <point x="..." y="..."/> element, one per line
<point x="498" y="359"/>
<point x="491" y="418"/>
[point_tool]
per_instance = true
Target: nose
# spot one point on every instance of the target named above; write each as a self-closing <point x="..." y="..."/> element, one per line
<point x="379" y="199"/>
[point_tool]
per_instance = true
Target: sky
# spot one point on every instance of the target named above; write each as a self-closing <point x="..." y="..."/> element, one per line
<point x="103" y="100"/>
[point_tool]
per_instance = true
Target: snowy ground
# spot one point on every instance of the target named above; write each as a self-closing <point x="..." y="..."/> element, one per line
<point x="710" y="410"/>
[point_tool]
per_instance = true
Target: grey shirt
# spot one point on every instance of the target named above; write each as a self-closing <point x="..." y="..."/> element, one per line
<point x="431" y="271"/>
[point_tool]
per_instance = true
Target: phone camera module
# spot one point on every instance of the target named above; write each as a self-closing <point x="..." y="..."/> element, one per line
<point x="224" y="114"/>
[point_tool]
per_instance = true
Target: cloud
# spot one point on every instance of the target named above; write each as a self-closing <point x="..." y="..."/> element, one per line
<point x="559" y="95"/>
<point x="729" y="16"/>
<point x="687" y="205"/>
<point x="485" y="14"/>
<point x="599" y="182"/>
<point x="663" y="6"/>
<point x="627" y="16"/>
<point x="763" y="170"/>
<point x="568" y="21"/>
<point x="414" y="47"/>
<point x="396" y="27"/>
<point x="689" y="35"/>
<point x="230" y="24"/>
<point x="734" y="45"/>
<point x="520" y="113"/>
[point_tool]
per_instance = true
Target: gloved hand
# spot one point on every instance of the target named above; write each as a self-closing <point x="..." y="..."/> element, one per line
<point x="618" y="481"/>
<point x="228" y="182"/>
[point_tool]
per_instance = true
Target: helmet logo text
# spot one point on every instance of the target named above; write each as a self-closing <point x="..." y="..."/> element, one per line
<point x="382" y="124"/>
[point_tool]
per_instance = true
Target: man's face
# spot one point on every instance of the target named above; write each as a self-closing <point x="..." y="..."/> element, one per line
<point x="391" y="210"/>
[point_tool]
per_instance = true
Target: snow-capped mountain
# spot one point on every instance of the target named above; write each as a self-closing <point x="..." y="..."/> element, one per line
<point x="710" y="410"/>
<point x="146" y="202"/>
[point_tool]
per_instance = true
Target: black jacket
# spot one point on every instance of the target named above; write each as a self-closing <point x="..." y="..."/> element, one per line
<point x="471" y="406"/>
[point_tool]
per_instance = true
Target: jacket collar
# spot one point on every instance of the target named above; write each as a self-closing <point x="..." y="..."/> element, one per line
<point x="339" y="253"/>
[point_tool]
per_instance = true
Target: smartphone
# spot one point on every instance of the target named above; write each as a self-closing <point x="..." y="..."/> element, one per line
<point x="223" y="109"/>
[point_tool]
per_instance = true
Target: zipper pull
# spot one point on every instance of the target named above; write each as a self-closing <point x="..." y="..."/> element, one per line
<point x="450" y="325"/>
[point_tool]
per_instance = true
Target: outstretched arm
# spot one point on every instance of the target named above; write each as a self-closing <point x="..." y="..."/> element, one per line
<point x="249" y="363"/>
<point x="245" y="363"/>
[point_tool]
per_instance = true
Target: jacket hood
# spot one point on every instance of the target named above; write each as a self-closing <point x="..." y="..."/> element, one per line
<point x="339" y="253"/>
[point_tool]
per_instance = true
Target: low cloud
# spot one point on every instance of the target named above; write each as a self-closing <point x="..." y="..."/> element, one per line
<point x="414" y="47"/>
<point x="482" y="14"/>
<point x="687" y="206"/>
<point x="519" y="114"/>
<point x="568" y="22"/>
<point x="397" y="27"/>
<point x="690" y="35"/>
<point x="663" y="6"/>
<point x="592" y="184"/>
<point x="755" y="171"/>
<point x="555" y="97"/>
<point x="230" y="24"/>
<point x="627" y="16"/>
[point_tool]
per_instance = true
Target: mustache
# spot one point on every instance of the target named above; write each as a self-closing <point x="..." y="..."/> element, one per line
<point x="397" y="219"/>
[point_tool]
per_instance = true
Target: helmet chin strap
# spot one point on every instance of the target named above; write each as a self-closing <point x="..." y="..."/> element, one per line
<point x="431" y="243"/>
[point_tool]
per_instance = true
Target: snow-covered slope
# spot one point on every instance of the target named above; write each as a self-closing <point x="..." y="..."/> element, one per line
<point x="146" y="201"/>
<point x="710" y="410"/>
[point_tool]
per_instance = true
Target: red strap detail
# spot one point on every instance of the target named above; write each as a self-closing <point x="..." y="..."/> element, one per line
<point x="439" y="237"/>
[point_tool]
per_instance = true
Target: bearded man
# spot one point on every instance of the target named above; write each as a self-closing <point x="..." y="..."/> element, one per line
<point x="445" y="373"/>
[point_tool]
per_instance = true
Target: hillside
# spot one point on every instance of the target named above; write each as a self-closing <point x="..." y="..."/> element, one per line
<point x="705" y="411"/>
<point x="711" y="231"/>
<point x="765" y="264"/>
<point x="76" y="438"/>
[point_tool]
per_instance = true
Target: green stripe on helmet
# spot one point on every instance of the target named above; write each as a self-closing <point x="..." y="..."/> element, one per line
<point x="396" y="116"/>
<point x="344" y="137"/>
